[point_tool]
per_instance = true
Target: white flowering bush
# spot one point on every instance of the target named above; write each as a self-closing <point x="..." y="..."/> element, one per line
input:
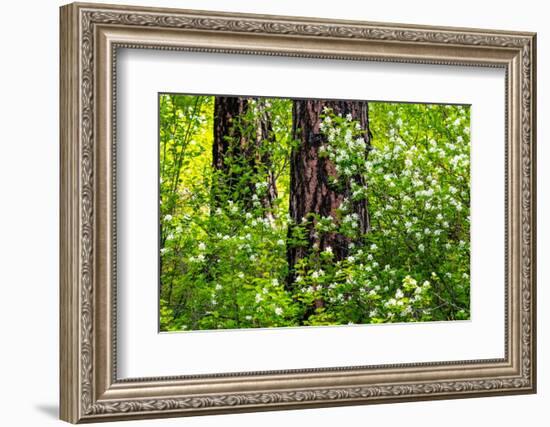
<point x="224" y="260"/>
<point x="413" y="264"/>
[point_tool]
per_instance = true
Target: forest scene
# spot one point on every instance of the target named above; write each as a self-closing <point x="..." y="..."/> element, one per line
<point x="281" y="212"/>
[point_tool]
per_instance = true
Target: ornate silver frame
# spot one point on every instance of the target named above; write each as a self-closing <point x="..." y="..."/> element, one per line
<point x="90" y="36"/>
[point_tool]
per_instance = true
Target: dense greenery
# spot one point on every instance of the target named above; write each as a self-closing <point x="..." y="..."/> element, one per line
<point x="224" y="249"/>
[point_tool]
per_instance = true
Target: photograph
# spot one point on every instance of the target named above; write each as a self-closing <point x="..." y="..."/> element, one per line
<point x="287" y="212"/>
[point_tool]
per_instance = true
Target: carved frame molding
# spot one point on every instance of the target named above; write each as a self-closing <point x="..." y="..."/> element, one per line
<point x="90" y="37"/>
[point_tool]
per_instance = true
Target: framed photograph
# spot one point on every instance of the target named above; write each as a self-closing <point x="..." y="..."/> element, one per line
<point x="267" y="212"/>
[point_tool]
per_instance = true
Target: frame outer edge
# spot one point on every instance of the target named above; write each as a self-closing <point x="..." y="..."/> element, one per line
<point x="69" y="355"/>
<point x="77" y="338"/>
<point x="534" y="270"/>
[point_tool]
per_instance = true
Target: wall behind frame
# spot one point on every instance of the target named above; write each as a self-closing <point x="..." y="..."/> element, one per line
<point x="29" y="171"/>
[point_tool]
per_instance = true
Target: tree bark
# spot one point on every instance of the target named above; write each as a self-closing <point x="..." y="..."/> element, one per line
<point x="228" y="138"/>
<point x="310" y="191"/>
<point x="242" y="132"/>
<point x="264" y="138"/>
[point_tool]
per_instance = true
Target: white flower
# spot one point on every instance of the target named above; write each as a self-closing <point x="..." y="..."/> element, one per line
<point x="278" y="311"/>
<point x="281" y="242"/>
<point x="421" y="247"/>
<point x="373" y="247"/>
<point x="317" y="274"/>
<point x="163" y="250"/>
<point x="170" y="237"/>
<point x="248" y="215"/>
<point x="240" y="275"/>
<point x="328" y="250"/>
<point x="249" y="317"/>
<point x="218" y="287"/>
<point x="407" y="310"/>
<point x="260" y="186"/>
<point x="390" y="302"/>
<point x="200" y="257"/>
<point x="168" y="218"/>
<point x="275" y="282"/>
<point x="399" y="294"/>
<point x="408" y="224"/>
<point x="259" y="298"/>
<point x="408" y="162"/>
<point x="202" y="246"/>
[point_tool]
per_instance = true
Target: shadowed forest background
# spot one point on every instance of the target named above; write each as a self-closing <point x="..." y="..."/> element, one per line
<point x="289" y="212"/>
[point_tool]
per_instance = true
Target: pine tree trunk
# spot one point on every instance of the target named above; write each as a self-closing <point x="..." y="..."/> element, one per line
<point x="264" y="138"/>
<point x="228" y="138"/>
<point x="242" y="130"/>
<point x="310" y="191"/>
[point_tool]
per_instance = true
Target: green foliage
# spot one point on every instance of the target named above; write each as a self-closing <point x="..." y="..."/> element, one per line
<point x="223" y="249"/>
